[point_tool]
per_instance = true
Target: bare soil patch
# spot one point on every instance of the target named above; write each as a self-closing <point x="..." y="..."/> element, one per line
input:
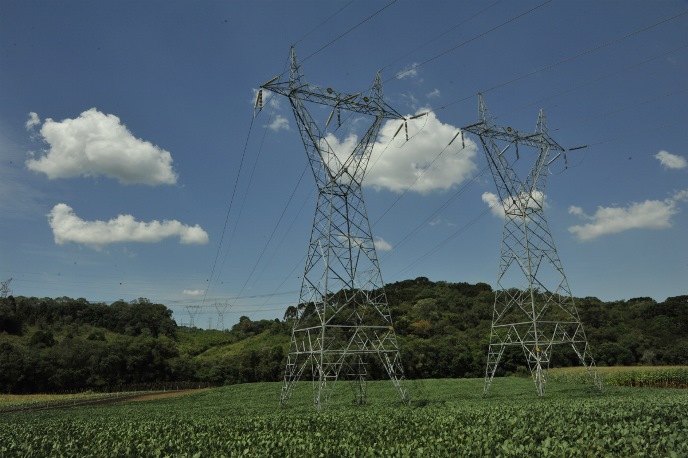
<point x="66" y="404"/>
<point x="165" y="394"/>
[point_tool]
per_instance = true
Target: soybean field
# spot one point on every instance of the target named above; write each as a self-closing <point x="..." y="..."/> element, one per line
<point x="447" y="417"/>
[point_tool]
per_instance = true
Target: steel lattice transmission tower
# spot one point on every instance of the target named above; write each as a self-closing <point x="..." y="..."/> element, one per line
<point x="534" y="308"/>
<point x="343" y="322"/>
<point x="5" y="288"/>
<point x="221" y="309"/>
<point x="192" y="310"/>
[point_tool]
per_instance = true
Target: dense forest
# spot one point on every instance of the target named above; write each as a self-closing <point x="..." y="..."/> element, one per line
<point x="64" y="344"/>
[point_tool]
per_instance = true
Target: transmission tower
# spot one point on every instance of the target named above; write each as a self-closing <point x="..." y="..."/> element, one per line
<point x="534" y="308"/>
<point x="221" y="309"/>
<point x="343" y="323"/>
<point x="192" y="311"/>
<point x="5" y="288"/>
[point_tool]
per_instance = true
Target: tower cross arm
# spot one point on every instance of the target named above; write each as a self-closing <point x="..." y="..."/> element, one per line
<point x="358" y="103"/>
<point x="537" y="140"/>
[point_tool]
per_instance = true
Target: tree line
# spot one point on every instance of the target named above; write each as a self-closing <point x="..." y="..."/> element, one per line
<point x="64" y="344"/>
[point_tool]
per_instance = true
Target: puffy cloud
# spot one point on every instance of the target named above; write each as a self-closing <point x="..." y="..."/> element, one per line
<point x="68" y="227"/>
<point x="33" y="121"/>
<point x="279" y="123"/>
<point x="98" y="144"/>
<point x="382" y="245"/>
<point x="433" y="94"/>
<point x="193" y="292"/>
<point x="396" y="164"/>
<point x="650" y="214"/>
<point x="671" y="161"/>
<point x="410" y="72"/>
<point x="499" y="209"/>
<point x="492" y="200"/>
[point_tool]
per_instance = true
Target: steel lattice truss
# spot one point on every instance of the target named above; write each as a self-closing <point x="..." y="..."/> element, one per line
<point x="5" y="288"/>
<point x="343" y="324"/>
<point x="534" y="307"/>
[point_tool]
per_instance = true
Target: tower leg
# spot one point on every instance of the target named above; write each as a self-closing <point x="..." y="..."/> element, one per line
<point x="494" y="356"/>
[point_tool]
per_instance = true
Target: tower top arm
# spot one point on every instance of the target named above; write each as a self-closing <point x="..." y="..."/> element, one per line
<point x="536" y="140"/>
<point x="358" y="103"/>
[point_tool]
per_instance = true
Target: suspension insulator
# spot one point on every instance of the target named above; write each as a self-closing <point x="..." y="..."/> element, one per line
<point x="398" y="130"/>
<point x="259" y="100"/>
<point x="453" y="138"/>
<point x="329" y="118"/>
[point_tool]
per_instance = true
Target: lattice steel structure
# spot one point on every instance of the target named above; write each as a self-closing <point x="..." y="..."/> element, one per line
<point x="343" y="323"/>
<point x="221" y="310"/>
<point x="534" y="308"/>
<point x="5" y="288"/>
<point x="192" y="311"/>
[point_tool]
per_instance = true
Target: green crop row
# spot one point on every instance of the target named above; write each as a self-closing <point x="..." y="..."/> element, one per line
<point x="641" y="377"/>
<point x="451" y="419"/>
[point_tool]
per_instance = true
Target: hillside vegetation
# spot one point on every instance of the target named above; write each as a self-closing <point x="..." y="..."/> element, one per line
<point x="64" y="344"/>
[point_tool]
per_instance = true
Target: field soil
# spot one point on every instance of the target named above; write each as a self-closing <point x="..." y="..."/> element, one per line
<point x="70" y="403"/>
<point x="163" y="395"/>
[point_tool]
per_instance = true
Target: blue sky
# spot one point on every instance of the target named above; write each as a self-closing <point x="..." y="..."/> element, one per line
<point x="131" y="164"/>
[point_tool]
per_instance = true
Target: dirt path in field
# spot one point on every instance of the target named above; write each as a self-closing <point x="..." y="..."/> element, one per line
<point x="163" y="395"/>
<point x="66" y="404"/>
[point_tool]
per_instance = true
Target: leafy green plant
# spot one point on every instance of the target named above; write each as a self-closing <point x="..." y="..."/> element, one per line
<point x="447" y="418"/>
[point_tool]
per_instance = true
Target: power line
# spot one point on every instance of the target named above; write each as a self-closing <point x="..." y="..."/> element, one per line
<point x="272" y="234"/>
<point x="454" y="48"/>
<point x="418" y="177"/>
<point x="453" y="197"/>
<point x="586" y="52"/>
<point x="444" y="242"/>
<point x="598" y="79"/>
<point x="248" y="187"/>
<point x="323" y="22"/>
<point x="442" y="34"/>
<point x="229" y="208"/>
<point x="351" y="29"/>
<point x="644" y="102"/>
<point x="562" y="61"/>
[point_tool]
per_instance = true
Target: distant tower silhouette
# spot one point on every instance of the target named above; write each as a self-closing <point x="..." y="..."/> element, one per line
<point x="5" y="288"/>
<point x="192" y="311"/>
<point x="534" y="307"/>
<point x="344" y="317"/>
<point x="221" y="309"/>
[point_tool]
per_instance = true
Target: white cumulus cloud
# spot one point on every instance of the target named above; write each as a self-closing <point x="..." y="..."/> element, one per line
<point x="409" y="72"/>
<point x="193" y="292"/>
<point x="382" y="245"/>
<point x="396" y="164"/>
<point x="650" y="214"/>
<point x="433" y="94"/>
<point x="492" y="200"/>
<point x="33" y="121"/>
<point x="279" y="123"/>
<point x="536" y="199"/>
<point x="671" y="161"/>
<point x="99" y="144"/>
<point x="68" y="227"/>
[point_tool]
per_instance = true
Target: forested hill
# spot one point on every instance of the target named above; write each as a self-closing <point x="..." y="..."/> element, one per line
<point x="64" y="344"/>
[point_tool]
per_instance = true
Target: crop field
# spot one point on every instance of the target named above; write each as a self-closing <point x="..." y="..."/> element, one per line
<point x="634" y="376"/>
<point x="447" y="417"/>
